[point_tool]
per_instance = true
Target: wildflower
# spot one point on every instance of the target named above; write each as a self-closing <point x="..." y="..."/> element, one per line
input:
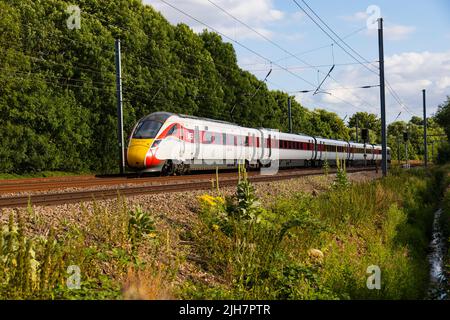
<point x="211" y="201"/>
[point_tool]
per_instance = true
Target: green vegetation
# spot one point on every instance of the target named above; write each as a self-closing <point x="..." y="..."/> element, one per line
<point x="298" y="247"/>
<point x="443" y="119"/>
<point x="57" y="86"/>
<point x="446" y="224"/>
<point x="114" y="252"/>
<point x="415" y="142"/>
<point x="319" y="247"/>
<point x="41" y="174"/>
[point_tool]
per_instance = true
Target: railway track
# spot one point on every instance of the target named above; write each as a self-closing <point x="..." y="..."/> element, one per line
<point x="158" y="185"/>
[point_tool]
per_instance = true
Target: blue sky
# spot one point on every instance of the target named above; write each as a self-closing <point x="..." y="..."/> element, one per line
<point x="417" y="48"/>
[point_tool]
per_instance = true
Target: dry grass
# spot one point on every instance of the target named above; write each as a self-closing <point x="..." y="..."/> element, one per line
<point x="151" y="283"/>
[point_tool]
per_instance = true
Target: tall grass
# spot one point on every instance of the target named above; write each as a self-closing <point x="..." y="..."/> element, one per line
<point x="116" y="250"/>
<point x="318" y="247"/>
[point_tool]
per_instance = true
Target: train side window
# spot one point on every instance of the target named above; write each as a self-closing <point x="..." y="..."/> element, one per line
<point x="257" y="142"/>
<point x="173" y="131"/>
<point x="247" y="143"/>
<point x="208" y="137"/>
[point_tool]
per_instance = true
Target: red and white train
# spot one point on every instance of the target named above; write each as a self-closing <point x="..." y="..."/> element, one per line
<point x="175" y="144"/>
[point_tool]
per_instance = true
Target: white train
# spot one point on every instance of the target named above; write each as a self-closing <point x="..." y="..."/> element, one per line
<point x="175" y="144"/>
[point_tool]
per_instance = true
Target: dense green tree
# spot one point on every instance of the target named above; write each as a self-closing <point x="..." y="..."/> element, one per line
<point x="443" y="116"/>
<point x="58" y="92"/>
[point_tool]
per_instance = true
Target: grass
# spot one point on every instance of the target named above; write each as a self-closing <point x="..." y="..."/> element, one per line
<point x="297" y="247"/>
<point x="41" y="174"/>
<point x="320" y="247"/>
<point x="446" y="223"/>
<point x="114" y="250"/>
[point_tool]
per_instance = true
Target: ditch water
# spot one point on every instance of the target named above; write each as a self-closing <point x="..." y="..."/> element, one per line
<point x="438" y="280"/>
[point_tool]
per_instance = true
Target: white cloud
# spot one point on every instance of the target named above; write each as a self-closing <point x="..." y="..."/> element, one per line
<point x="408" y="73"/>
<point x="393" y="32"/>
<point x="356" y="17"/>
<point x="256" y="13"/>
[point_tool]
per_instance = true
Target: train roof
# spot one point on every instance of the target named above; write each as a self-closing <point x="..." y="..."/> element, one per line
<point x="331" y="140"/>
<point x="207" y="119"/>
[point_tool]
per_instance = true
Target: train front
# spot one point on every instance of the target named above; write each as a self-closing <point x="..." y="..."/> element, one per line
<point x="143" y="143"/>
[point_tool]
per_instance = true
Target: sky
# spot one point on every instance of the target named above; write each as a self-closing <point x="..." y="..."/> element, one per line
<point x="278" y="35"/>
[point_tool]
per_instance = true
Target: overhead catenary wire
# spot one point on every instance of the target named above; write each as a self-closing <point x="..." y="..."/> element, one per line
<point x="294" y="67"/>
<point x="390" y="89"/>
<point x="277" y="45"/>
<point x="338" y="43"/>
<point x="237" y="42"/>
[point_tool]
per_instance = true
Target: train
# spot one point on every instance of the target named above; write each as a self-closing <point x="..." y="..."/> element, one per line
<point x="175" y="144"/>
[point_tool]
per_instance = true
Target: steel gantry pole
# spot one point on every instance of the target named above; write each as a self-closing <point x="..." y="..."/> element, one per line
<point x="119" y="106"/>
<point x="425" y="146"/>
<point x="382" y="98"/>
<point x="290" y="114"/>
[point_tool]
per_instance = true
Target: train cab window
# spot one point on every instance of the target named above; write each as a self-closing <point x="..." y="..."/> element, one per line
<point x="147" y="129"/>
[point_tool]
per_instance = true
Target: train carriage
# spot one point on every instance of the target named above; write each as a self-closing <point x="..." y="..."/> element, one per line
<point x="175" y="144"/>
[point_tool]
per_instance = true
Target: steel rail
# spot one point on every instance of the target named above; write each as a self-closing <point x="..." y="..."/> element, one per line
<point x="47" y="199"/>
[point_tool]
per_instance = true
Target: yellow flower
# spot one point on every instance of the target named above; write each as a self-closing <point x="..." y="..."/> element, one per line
<point x="215" y="227"/>
<point x="210" y="200"/>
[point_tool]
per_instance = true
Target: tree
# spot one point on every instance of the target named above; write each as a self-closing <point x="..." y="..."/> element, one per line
<point x="443" y="116"/>
<point x="365" y="120"/>
<point x="58" y="92"/>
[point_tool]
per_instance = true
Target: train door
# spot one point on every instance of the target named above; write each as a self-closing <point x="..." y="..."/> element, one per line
<point x="196" y="152"/>
<point x="260" y="145"/>
<point x="253" y="143"/>
<point x="269" y="146"/>
<point x="182" y="142"/>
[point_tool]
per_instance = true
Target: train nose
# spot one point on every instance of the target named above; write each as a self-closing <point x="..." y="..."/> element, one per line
<point x="137" y="152"/>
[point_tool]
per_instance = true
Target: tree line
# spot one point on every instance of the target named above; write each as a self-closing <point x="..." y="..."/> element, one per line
<point x="57" y="85"/>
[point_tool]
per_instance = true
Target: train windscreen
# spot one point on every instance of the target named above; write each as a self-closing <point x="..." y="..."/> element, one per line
<point x="147" y="129"/>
